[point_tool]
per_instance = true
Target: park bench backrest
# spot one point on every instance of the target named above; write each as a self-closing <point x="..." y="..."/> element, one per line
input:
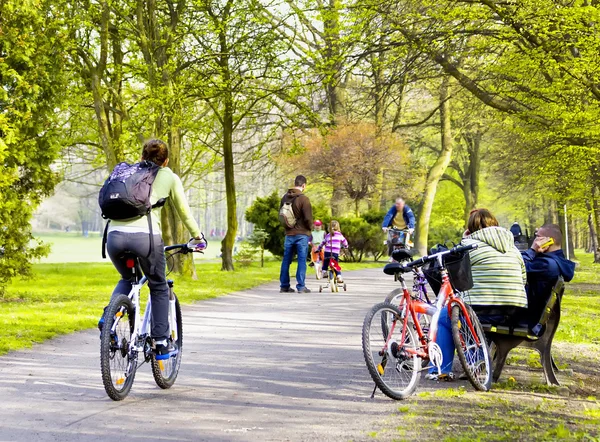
<point x="555" y="296"/>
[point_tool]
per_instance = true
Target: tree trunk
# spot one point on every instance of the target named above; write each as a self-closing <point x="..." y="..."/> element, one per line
<point x="436" y="172"/>
<point x="336" y="203"/>
<point x="229" y="240"/>
<point x="593" y="232"/>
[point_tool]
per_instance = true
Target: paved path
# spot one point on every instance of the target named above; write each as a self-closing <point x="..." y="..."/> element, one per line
<point x="258" y="365"/>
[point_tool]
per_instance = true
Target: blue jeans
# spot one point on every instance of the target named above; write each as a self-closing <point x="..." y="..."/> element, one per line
<point x="445" y="341"/>
<point x="298" y="244"/>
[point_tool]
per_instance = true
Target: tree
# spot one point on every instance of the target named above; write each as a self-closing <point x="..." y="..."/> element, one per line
<point x="257" y="239"/>
<point x="264" y="214"/>
<point x="350" y="158"/>
<point x="238" y="81"/>
<point x="32" y="83"/>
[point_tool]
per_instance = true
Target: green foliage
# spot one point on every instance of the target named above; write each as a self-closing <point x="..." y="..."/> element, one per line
<point x="257" y="239"/>
<point x="447" y="223"/>
<point x="32" y="82"/>
<point x="364" y="238"/>
<point x="264" y="214"/>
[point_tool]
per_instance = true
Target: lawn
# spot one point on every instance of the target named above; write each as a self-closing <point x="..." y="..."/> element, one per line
<point x="72" y="247"/>
<point x="521" y="407"/>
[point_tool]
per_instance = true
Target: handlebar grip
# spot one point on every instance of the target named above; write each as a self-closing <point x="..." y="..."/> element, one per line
<point x="460" y="249"/>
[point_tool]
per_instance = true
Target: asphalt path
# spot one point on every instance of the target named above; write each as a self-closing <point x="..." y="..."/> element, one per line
<point x="257" y="365"/>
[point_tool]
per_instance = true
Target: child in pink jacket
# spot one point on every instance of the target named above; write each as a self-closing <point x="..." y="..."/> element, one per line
<point x="332" y="244"/>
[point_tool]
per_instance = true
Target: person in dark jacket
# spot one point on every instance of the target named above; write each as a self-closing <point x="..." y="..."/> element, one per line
<point x="297" y="237"/>
<point x="400" y="216"/>
<point x="544" y="265"/>
<point x="515" y="229"/>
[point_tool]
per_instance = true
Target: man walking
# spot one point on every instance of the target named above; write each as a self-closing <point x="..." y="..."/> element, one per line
<point x="295" y="213"/>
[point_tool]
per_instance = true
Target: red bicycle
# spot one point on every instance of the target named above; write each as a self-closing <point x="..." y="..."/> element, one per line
<point x="397" y="350"/>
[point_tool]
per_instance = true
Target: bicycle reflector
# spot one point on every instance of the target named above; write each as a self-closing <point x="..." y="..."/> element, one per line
<point x="130" y="263"/>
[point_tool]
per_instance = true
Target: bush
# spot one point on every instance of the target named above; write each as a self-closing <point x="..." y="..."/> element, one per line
<point x="363" y="238"/>
<point x="264" y="214"/>
<point x="246" y="255"/>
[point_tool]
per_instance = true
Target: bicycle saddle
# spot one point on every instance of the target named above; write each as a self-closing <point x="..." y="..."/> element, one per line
<point x="402" y="255"/>
<point x="395" y="267"/>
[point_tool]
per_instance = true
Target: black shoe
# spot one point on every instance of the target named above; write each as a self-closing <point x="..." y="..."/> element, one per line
<point x="163" y="352"/>
<point x="312" y="264"/>
<point x="287" y="290"/>
<point x="304" y="290"/>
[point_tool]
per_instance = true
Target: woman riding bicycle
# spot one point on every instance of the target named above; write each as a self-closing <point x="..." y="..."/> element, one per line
<point x="133" y="237"/>
<point x="498" y="281"/>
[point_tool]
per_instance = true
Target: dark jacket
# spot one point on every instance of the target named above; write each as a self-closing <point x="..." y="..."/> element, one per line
<point x="543" y="270"/>
<point x="407" y="214"/>
<point x="302" y="210"/>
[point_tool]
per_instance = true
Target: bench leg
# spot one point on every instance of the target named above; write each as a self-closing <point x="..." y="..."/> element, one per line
<point x="548" y="366"/>
<point x="499" y="354"/>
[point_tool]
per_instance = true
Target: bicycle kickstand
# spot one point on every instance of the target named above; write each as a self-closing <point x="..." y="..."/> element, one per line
<point x="374" y="390"/>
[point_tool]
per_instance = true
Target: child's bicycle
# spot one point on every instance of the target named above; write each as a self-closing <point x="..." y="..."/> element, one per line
<point x="395" y="347"/>
<point x="125" y="335"/>
<point x="317" y="261"/>
<point x="332" y="282"/>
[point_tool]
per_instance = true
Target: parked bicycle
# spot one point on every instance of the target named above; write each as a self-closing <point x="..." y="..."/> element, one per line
<point x="125" y="336"/>
<point x="396" y="348"/>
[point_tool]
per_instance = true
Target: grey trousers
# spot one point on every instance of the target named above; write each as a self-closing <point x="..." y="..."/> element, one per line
<point x="118" y="245"/>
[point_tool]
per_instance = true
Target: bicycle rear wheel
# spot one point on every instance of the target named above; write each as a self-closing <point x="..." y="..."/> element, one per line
<point x="475" y="358"/>
<point x="394" y="369"/>
<point x="117" y="365"/>
<point x="165" y="371"/>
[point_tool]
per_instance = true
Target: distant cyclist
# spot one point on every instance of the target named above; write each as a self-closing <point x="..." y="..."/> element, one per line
<point x="132" y="236"/>
<point x="400" y="216"/>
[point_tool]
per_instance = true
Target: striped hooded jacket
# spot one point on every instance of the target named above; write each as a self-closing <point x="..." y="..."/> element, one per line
<point x="498" y="269"/>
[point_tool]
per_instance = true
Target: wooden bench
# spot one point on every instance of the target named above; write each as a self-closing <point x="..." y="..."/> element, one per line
<point x="503" y="338"/>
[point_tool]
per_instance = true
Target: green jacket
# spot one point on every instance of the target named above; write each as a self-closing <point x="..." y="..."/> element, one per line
<point x="498" y="269"/>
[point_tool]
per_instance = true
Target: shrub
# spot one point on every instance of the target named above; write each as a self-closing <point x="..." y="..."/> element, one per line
<point x="264" y="214"/>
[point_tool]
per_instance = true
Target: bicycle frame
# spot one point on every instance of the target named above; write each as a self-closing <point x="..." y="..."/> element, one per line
<point x="446" y="298"/>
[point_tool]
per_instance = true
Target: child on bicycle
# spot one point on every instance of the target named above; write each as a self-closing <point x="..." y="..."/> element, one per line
<point x="317" y="236"/>
<point x="332" y="244"/>
<point x="133" y="237"/>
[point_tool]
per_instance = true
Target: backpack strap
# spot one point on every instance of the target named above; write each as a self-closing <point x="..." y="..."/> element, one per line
<point x="104" y="237"/>
<point x="160" y="203"/>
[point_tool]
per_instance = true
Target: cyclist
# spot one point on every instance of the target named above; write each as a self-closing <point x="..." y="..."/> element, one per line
<point x="400" y="216"/>
<point x="133" y="236"/>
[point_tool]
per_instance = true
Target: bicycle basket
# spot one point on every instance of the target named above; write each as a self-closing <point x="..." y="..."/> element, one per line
<point x="396" y="237"/>
<point x="459" y="272"/>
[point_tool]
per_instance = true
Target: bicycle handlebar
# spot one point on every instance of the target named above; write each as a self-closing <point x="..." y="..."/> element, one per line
<point x="422" y="261"/>
<point x="184" y="248"/>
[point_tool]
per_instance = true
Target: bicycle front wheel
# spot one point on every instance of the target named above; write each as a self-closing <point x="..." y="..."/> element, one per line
<point x="392" y="362"/>
<point x="116" y="362"/>
<point x="165" y="371"/>
<point x="475" y="358"/>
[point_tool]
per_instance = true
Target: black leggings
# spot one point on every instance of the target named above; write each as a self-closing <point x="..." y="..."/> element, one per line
<point x="118" y="245"/>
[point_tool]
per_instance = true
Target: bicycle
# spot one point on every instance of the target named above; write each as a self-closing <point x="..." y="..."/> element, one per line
<point x="125" y="334"/>
<point x="398" y="239"/>
<point x="332" y="282"/>
<point x="393" y="335"/>
<point x="419" y="292"/>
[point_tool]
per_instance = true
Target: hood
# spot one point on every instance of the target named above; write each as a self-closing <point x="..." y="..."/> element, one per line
<point x="294" y="191"/>
<point x="497" y="237"/>
<point x="567" y="268"/>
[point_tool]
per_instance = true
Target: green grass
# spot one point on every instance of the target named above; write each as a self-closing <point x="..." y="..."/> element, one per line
<point x="72" y="247"/>
<point x="580" y="310"/>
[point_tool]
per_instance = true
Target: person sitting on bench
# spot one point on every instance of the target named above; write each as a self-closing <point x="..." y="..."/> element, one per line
<point x="498" y="282"/>
<point x="544" y="264"/>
